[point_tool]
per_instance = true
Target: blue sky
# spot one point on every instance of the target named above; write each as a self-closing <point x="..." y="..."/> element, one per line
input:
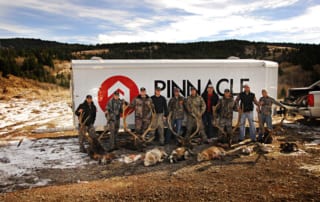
<point x="111" y="21"/>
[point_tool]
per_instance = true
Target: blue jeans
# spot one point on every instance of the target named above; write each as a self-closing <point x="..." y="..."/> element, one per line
<point x="207" y="122"/>
<point x="249" y="116"/>
<point x="177" y="126"/>
<point x="265" y="119"/>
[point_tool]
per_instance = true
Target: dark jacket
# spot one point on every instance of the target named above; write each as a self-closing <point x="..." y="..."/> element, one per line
<point x="89" y="113"/>
<point x="247" y="101"/>
<point x="160" y="104"/>
<point x="214" y="100"/>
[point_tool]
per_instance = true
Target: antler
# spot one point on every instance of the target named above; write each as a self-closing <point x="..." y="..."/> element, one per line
<point x="136" y="137"/>
<point x="279" y="127"/>
<point x="149" y="129"/>
<point x="179" y="138"/>
<point x="215" y="121"/>
<point x="222" y="130"/>
<point x="82" y="123"/>
<point x="238" y="121"/>
<point x="261" y="126"/>
<point x="125" y="126"/>
<point x="188" y="139"/>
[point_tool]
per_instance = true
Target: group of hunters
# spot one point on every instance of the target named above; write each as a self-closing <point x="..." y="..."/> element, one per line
<point x="207" y="107"/>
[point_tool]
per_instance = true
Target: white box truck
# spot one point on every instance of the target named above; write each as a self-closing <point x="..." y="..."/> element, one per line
<point x="100" y="78"/>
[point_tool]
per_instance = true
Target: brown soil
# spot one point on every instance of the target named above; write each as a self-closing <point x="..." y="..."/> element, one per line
<point x="279" y="177"/>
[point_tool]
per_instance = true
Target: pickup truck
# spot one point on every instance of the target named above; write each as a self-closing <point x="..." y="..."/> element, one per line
<point x="297" y="96"/>
<point x="312" y="108"/>
<point x="304" y="101"/>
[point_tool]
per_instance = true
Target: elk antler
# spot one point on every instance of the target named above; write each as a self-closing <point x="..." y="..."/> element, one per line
<point x="222" y="130"/>
<point x="136" y="137"/>
<point x="261" y="126"/>
<point x="179" y="138"/>
<point x="149" y="129"/>
<point x="279" y="127"/>
<point x="125" y="126"/>
<point x="82" y="123"/>
<point x="215" y="121"/>
<point x="240" y="111"/>
<point x="188" y="139"/>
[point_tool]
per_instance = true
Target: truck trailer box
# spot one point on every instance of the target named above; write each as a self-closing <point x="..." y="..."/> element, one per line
<point x="100" y="78"/>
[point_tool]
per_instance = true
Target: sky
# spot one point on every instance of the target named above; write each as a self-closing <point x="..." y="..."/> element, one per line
<point x="113" y="21"/>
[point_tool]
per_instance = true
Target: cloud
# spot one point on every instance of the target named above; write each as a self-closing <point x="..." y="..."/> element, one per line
<point x="109" y="21"/>
<point x="212" y="24"/>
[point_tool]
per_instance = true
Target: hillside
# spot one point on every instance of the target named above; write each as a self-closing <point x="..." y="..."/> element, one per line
<point x="49" y="61"/>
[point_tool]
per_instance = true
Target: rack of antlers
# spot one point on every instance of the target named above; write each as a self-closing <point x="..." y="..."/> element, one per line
<point x="270" y="133"/>
<point x="142" y="138"/>
<point x="188" y="140"/>
<point x="223" y="132"/>
<point x="82" y="125"/>
<point x="94" y="143"/>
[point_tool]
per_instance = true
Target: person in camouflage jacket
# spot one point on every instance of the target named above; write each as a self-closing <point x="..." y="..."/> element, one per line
<point x="226" y="106"/>
<point x="266" y="103"/>
<point x="176" y="107"/>
<point x="196" y="105"/>
<point x="113" y="112"/>
<point x="142" y="105"/>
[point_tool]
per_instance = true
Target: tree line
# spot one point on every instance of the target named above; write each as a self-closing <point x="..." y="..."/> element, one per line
<point x="37" y="55"/>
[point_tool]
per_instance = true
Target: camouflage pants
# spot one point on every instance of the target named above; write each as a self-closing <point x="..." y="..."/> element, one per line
<point x="141" y="124"/>
<point x="159" y="126"/>
<point x="114" y="129"/>
<point x="226" y="125"/>
<point x="192" y="125"/>
<point x="82" y="134"/>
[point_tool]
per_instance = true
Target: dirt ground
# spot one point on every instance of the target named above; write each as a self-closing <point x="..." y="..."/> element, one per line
<point x="279" y="177"/>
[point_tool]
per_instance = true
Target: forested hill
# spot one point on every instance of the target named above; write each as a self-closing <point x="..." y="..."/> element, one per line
<point x="36" y="59"/>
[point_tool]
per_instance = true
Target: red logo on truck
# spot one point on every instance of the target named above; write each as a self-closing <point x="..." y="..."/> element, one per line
<point x="124" y="85"/>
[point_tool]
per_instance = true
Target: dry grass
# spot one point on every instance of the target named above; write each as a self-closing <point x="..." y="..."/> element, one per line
<point x="16" y="87"/>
